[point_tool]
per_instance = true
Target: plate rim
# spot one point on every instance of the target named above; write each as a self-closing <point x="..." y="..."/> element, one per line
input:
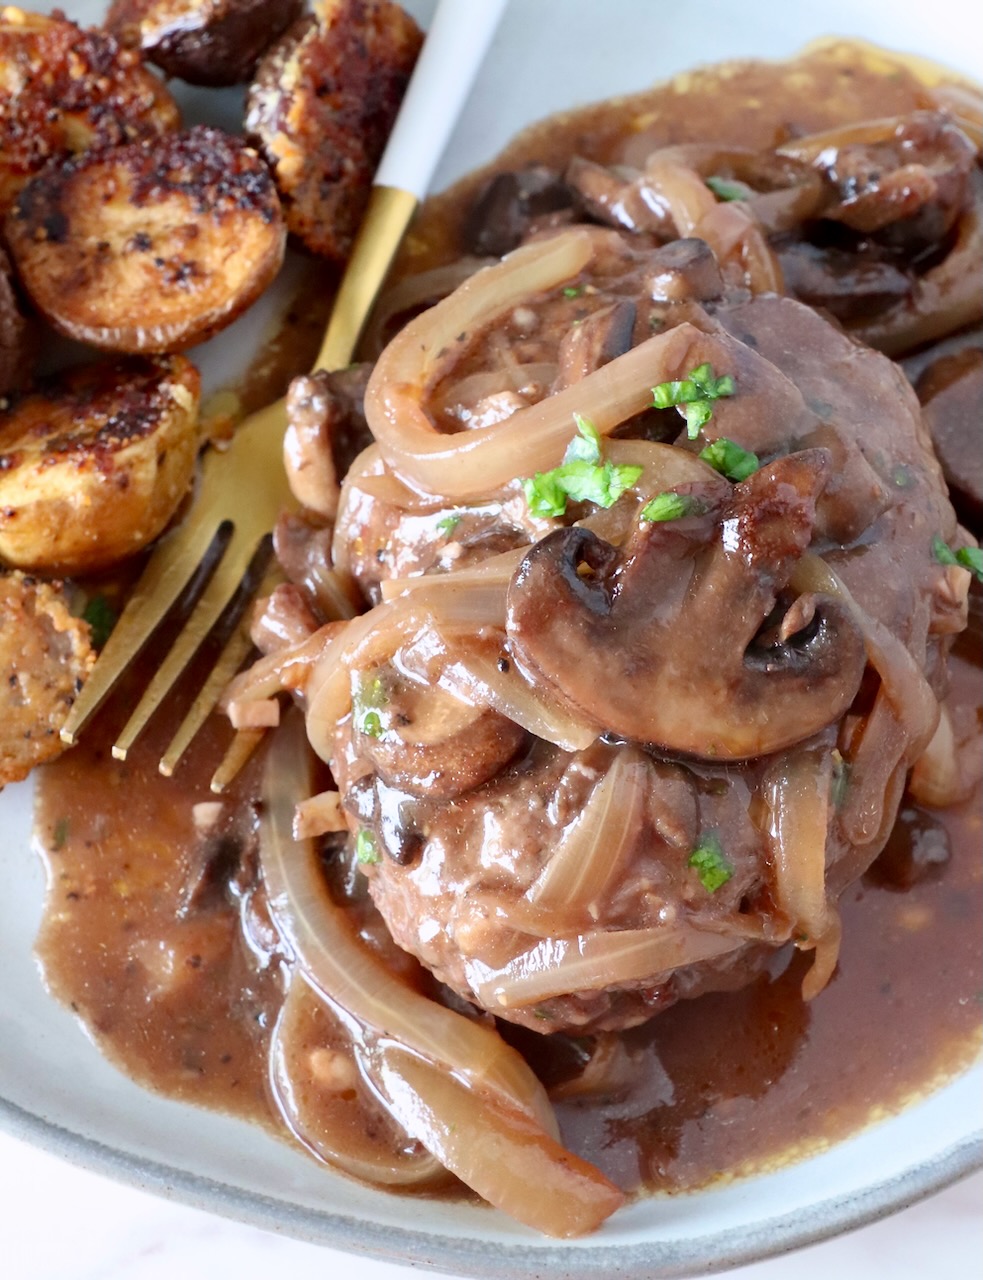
<point x="470" y="1256"/>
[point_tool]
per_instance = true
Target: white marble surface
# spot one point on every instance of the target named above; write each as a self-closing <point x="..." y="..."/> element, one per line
<point x="58" y="1222"/>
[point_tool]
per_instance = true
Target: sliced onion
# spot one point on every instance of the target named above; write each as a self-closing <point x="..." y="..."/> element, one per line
<point x="253" y="713"/>
<point x="593" y="961"/>
<point x="443" y="604"/>
<point x="592" y="851"/>
<point x="827" y="952"/>
<point x="478" y="679"/>
<point x="904" y="682"/>
<point x="937" y="779"/>
<point x="419" y="290"/>
<point x="878" y="767"/>
<point x="797" y="793"/>
<point x="320" y="815"/>
<point x="494" y="1149"/>
<point x="331" y="1122"/>
<point x="472" y="463"/>
<point x="286" y="669"/>
<point x="496" y="570"/>
<point x="348" y="975"/>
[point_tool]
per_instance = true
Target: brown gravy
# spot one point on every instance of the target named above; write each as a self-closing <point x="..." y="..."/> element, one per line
<point x="712" y="1088"/>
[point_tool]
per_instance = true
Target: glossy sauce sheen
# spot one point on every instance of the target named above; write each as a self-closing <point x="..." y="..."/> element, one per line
<point x="721" y="1085"/>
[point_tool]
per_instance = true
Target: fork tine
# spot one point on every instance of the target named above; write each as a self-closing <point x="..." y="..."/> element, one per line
<point x="221" y="587"/>
<point x="169" y="569"/>
<point x="226" y="665"/>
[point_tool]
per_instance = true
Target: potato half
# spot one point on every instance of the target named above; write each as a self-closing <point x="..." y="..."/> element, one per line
<point x="321" y="108"/>
<point x="149" y="246"/>
<point x="212" y="42"/>
<point x="94" y="465"/>
<point x="64" y="90"/>
<point x="45" y="656"/>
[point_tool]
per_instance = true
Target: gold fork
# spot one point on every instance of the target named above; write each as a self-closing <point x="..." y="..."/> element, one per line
<point x="243" y="488"/>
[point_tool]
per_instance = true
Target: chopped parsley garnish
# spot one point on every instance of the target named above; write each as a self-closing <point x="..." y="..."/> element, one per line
<point x="694" y="396"/>
<point x="448" y="524"/>
<point x="970" y="558"/>
<point x="368" y="696"/>
<point x="710" y="864"/>
<point x="725" y="189"/>
<point x="366" y="851"/>
<point x="671" y="506"/>
<point x="841" y="780"/>
<point x="730" y="459"/>
<point x="101" y="617"/>
<point x="573" y="290"/>
<point x="584" y="475"/>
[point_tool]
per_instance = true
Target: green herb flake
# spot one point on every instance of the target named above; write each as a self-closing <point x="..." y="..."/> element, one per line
<point x="584" y="476"/>
<point x="368" y="696"/>
<point x="710" y="864"/>
<point x="970" y="558"/>
<point x="101" y="617"/>
<point x="59" y="836"/>
<point x="573" y="290"/>
<point x="670" y="506"/>
<point x="448" y="524"/>
<point x="586" y="444"/>
<point x="366" y="851"/>
<point x="725" y="189"/>
<point x="730" y="459"/>
<point x="694" y="396"/>
<point x="841" y="780"/>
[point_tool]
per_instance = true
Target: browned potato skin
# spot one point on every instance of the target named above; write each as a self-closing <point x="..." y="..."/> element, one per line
<point x="321" y="108"/>
<point x="207" y="42"/>
<point x="93" y="465"/>
<point x="149" y="247"/>
<point x="63" y="90"/>
<point x="45" y="657"/>
<point x="15" y="335"/>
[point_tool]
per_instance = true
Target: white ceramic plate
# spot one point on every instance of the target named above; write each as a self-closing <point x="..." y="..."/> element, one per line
<point x="56" y="1089"/>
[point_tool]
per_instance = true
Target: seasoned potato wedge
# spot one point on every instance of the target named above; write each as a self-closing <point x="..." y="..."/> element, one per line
<point x="94" y="465"/>
<point x="63" y="90"/>
<point x="14" y="333"/>
<point x="321" y="108"/>
<point x="149" y="246"/>
<point x="45" y="656"/>
<point x="213" y="42"/>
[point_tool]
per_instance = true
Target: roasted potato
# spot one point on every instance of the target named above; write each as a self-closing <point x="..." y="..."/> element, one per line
<point x="321" y="107"/>
<point x="14" y="333"/>
<point x="212" y="42"/>
<point x="93" y="465"/>
<point x="45" y="656"/>
<point x="63" y="90"/>
<point x="148" y="246"/>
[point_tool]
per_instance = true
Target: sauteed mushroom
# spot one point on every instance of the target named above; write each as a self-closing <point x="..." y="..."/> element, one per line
<point x="677" y="616"/>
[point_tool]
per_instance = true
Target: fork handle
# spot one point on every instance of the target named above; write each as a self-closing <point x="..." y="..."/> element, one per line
<point x="454" y="49"/>
<point x="452" y="53"/>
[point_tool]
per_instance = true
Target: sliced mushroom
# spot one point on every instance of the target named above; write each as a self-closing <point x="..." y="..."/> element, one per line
<point x="619" y="197"/>
<point x="904" y="181"/>
<point x="673" y="623"/>
<point x="598" y="339"/>
<point x="685" y="270"/>
<point x="508" y="206"/>
<point x="425" y="742"/>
